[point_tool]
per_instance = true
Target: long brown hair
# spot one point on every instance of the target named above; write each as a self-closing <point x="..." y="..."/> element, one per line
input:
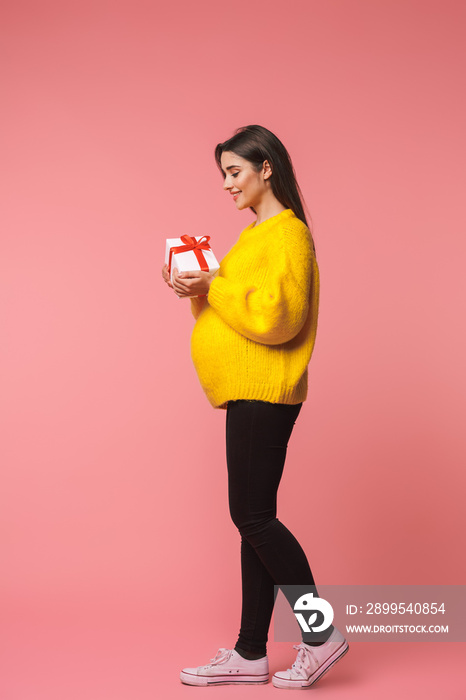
<point x="256" y="143"/>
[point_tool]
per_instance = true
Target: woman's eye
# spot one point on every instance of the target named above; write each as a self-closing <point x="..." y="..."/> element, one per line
<point x="234" y="174"/>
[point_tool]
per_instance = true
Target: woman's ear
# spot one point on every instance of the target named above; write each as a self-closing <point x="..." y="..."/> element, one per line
<point x="266" y="169"/>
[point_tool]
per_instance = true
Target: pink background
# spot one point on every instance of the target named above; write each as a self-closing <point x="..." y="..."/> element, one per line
<point x="120" y="564"/>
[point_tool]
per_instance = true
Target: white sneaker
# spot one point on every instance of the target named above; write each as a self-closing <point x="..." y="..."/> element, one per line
<point x="312" y="662"/>
<point x="226" y="667"/>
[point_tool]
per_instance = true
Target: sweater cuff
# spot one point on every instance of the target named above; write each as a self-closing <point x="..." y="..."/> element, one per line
<point x="216" y="295"/>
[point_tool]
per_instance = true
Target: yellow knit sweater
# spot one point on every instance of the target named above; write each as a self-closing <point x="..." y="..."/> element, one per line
<point x="255" y="331"/>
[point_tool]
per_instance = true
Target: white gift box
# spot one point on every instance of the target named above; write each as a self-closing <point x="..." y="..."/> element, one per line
<point x="187" y="260"/>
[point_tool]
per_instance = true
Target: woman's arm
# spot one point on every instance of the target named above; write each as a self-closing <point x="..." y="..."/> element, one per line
<point x="275" y="311"/>
<point x="197" y="304"/>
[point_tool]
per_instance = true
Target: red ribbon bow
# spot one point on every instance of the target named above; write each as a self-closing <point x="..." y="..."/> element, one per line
<point x="190" y="243"/>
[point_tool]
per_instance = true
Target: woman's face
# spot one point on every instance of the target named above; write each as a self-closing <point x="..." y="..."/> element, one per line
<point x="242" y="181"/>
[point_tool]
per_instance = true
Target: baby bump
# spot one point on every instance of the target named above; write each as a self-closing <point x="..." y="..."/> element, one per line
<point x="210" y="342"/>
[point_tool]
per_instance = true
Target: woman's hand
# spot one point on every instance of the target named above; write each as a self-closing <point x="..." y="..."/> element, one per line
<point x="191" y="284"/>
<point x="166" y="276"/>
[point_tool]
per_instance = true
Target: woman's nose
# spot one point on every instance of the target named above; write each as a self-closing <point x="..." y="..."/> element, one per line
<point x="226" y="184"/>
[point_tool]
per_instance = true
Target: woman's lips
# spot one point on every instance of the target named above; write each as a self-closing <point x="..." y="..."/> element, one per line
<point x="235" y="196"/>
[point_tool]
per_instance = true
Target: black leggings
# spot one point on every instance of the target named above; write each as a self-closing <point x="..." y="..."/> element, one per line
<point x="257" y="434"/>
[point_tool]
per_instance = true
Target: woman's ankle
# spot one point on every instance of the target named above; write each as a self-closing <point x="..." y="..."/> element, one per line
<point x="250" y="655"/>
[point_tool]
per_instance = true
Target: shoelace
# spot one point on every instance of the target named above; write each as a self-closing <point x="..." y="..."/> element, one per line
<point x="220" y="656"/>
<point x="304" y="661"/>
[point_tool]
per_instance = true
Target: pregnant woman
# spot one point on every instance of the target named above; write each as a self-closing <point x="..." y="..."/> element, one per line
<point x="256" y="324"/>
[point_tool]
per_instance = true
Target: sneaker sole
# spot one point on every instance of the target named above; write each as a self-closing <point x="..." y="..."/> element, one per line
<point x="300" y="684"/>
<point x="189" y="679"/>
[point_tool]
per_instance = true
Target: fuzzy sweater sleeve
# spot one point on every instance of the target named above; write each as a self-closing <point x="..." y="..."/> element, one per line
<point x="272" y="304"/>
